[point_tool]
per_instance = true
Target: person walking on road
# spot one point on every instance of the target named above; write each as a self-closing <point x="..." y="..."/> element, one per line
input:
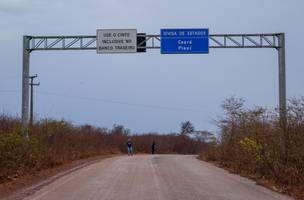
<point x="153" y="147"/>
<point x="130" y="147"/>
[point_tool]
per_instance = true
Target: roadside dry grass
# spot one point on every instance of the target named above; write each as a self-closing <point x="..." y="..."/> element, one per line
<point x="51" y="143"/>
<point x="296" y="192"/>
<point x="54" y="143"/>
<point x="253" y="143"/>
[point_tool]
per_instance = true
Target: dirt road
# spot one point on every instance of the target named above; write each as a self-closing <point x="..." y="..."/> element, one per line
<point x="145" y="177"/>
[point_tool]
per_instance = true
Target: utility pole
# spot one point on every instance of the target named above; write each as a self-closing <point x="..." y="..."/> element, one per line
<point x="32" y="84"/>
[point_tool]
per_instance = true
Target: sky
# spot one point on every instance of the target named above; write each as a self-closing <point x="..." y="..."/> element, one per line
<point x="147" y="92"/>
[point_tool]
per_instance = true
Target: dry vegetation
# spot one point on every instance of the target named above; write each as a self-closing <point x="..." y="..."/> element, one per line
<point x="252" y="143"/>
<point x="52" y="143"/>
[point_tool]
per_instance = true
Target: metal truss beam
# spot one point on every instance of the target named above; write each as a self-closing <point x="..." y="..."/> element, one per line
<point x="153" y="41"/>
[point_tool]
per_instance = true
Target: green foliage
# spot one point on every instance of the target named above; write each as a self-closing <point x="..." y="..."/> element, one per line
<point x="17" y="154"/>
<point x="11" y="152"/>
<point x="251" y="146"/>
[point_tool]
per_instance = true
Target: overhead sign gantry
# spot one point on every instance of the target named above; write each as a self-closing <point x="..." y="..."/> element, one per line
<point x="169" y="41"/>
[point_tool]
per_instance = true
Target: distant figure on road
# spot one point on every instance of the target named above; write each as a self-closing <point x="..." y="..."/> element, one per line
<point x="130" y="147"/>
<point x="153" y="147"/>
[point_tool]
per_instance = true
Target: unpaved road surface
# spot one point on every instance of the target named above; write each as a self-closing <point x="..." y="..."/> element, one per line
<point x="145" y="177"/>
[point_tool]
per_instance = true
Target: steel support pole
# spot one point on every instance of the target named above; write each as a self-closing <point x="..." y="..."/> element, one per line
<point x="282" y="91"/>
<point x="25" y="85"/>
<point x="282" y="75"/>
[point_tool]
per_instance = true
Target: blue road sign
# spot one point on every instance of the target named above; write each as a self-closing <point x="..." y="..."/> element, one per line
<point x="184" y="41"/>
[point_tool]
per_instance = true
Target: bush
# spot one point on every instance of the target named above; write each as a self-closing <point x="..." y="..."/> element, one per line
<point x="252" y="141"/>
<point x="53" y="143"/>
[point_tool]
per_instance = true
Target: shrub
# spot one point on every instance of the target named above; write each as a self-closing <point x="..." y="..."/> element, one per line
<point x="252" y="141"/>
<point x="54" y="142"/>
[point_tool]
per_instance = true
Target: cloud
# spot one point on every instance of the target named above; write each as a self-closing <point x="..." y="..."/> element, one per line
<point x="28" y="6"/>
<point x="13" y="6"/>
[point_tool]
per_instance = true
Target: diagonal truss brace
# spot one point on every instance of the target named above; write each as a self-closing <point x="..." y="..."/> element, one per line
<point x="154" y="41"/>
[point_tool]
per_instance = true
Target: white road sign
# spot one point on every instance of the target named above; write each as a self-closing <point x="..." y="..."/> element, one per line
<point x="116" y="40"/>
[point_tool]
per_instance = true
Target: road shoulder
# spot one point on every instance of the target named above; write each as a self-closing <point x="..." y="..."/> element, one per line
<point x="258" y="180"/>
<point x="21" y="187"/>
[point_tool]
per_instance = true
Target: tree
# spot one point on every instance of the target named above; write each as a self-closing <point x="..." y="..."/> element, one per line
<point x="186" y="128"/>
<point x="204" y="136"/>
<point x="120" y="130"/>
